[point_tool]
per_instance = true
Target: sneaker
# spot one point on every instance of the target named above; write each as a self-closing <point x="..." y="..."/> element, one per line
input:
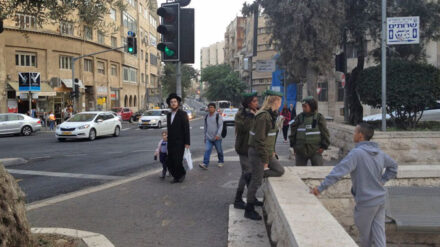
<point x="203" y="166"/>
<point x="250" y="213"/>
<point x="239" y="204"/>
<point x="220" y="165"/>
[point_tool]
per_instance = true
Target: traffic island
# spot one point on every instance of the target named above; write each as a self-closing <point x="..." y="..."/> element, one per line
<point x="64" y="237"/>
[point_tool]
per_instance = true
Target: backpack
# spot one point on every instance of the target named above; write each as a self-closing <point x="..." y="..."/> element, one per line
<point x="224" y="129"/>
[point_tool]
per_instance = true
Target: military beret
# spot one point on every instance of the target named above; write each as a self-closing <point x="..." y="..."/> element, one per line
<point x="307" y="99"/>
<point x="248" y="95"/>
<point x="273" y="93"/>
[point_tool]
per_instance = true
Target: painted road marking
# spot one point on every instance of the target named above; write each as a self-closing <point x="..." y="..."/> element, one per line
<point x="125" y="129"/>
<point x="63" y="174"/>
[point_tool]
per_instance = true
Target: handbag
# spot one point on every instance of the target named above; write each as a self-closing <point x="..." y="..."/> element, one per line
<point x="188" y="160"/>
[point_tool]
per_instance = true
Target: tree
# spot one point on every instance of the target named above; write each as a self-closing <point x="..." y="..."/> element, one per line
<point x="306" y="33"/>
<point x="90" y="12"/>
<point x="168" y="78"/>
<point x="411" y="88"/>
<point x="223" y="83"/>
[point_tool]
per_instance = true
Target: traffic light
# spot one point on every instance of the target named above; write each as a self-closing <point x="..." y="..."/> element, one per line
<point x="186" y="35"/>
<point x="170" y="30"/>
<point x="1" y="25"/>
<point x="132" y="44"/>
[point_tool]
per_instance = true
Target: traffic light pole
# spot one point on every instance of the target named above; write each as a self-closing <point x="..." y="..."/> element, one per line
<point x="384" y="65"/>
<point x="72" y="61"/>
<point x="179" y="79"/>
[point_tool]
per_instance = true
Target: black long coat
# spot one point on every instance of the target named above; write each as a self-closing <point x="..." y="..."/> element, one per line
<point x="178" y="137"/>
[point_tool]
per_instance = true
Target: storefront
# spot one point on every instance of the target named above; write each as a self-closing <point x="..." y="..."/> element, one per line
<point x="115" y="97"/>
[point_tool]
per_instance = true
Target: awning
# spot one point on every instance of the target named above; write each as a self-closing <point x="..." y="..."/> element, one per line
<point x="45" y="89"/>
<point x="68" y="83"/>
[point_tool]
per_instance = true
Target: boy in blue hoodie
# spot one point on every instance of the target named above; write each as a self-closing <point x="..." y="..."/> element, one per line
<point x="366" y="164"/>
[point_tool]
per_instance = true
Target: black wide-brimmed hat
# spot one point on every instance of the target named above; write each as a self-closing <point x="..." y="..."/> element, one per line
<point x="173" y="96"/>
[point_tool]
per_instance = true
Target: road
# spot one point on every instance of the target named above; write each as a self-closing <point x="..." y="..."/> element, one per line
<point x="55" y="168"/>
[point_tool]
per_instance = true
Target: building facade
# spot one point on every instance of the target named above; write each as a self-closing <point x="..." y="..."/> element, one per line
<point x="234" y="41"/>
<point x="107" y="80"/>
<point x="212" y="55"/>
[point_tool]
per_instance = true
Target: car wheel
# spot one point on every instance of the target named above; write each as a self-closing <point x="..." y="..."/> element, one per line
<point x="61" y="139"/>
<point x="159" y="125"/>
<point x="117" y="131"/>
<point x="92" y="135"/>
<point x="26" y="131"/>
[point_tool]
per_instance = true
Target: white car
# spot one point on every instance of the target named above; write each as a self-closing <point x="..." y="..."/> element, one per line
<point x="89" y="125"/>
<point x="153" y="118"/>
<point x="229" y="116"/>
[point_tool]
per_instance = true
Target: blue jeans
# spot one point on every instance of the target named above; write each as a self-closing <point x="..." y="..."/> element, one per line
<point x="208" y="150"/>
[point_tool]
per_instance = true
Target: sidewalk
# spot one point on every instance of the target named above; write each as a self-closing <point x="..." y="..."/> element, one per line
<point x="151" y="212"/>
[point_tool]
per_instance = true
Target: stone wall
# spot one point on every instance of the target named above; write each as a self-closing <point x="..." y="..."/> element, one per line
<point x="339" y="202"/>
<point x="406" y="147"/>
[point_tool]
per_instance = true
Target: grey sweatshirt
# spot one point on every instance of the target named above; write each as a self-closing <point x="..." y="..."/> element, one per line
<point x="212" y="130"/>
<point x="365" y="163"/>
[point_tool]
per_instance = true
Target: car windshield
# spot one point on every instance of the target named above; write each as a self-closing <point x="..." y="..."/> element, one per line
<point x="82" y="118"/>
<point x="152" y="113"/>
<point x="230" y="111"/>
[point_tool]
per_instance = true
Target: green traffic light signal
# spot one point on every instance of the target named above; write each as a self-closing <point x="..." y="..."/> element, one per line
<point x="130" y="49"/>
<point x="169" y="52"/>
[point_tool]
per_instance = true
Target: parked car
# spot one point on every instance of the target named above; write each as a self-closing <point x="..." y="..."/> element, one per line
<point x="229" y="116"/>
<point x="89" y="125"/>
<point x="191" y="114"/>
<point x="14" y="123"/>
<point x="153" y="118"/>
<point x="125" y="113"/>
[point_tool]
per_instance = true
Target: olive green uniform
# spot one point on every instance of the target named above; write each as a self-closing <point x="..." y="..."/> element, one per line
<point x="244" y="120"/>
<point x="309" y="133"/>
<point x="261" y="151"/>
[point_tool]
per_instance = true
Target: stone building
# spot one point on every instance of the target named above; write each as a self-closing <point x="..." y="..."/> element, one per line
<point x="212" y="55"/>
<point x="234" y="41"/>
<point x="107" y="80"/>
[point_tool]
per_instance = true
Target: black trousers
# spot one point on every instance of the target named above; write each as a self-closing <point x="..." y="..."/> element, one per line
<point x="163" y="159"/>
<point x="175" y="161"/>
<point x="285" y="130"/>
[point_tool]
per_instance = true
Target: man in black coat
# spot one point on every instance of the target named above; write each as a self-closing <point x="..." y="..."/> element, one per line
<point x="178" y="138"/>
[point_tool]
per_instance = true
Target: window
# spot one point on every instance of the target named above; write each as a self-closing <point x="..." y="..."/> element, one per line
<point x="66" y="28"/>
<point x="299" y="92"/>
<point x="323" y="94"/>
<point x="153" y="59"/>
<point x="340" y="92"/>
<point x="153" y="22"/>
<point x="101" y="68"/>
<point x="113" y="14"/>
<point x="25" y="21"/>
<point x="130" y="75"/>
<point x="88" y="65"/>
<point x="142" y="54"/>
<point x="114" y="70"/>
<point x="153" y="40"/>
<point x="114" y="42"/>
<point x="88" y="33"/>
<point x="143" y="78"/>
<point x="65" y="62"/>
<point x="132" y="3"/>
<point x="100" y="38"/>
<point x="129" y="22"/>
<point x="135" y="101"/>
<point x="146" y="14"/>
<point x="153" y="79"/>
<point x="26" y="59"/>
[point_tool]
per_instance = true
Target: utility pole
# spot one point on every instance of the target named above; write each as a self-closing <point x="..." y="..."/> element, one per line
<point x="346" y="110"/>
<point x="384" y="65"/>
<point x="179" y="79"/>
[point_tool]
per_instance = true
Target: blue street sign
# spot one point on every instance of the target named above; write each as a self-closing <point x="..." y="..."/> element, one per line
<point x="29" y="81"/>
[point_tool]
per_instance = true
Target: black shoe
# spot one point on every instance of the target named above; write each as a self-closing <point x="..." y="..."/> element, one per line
<point x="181" y="179"/>
<point x="258" y="203"/>
<point x="174" y="181"/>
<point x="239" y="204"/>
<point x="250" y="212"/>
<point x="162" y="177"/>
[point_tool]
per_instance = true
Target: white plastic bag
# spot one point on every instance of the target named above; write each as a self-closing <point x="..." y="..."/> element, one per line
<point x="187" y="158"/>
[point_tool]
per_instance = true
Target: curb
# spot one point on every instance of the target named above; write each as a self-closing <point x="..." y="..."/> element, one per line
<point x="13" y="161"/>
<point x="90" y="239"/>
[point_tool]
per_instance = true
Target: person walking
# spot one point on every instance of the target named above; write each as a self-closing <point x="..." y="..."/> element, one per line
<point x="162" y="153"/>
<point x="309" y="136"/>
<point x="292" y="111"/>
<point x="178" y="138"/>
<point x="244" y="120"/>
<point x="286" y="114"/>
<point x="51" y="121"/>
<point x="213" y="136"/>
<point x="365" y="163"/>
<point x="262" y="138"/>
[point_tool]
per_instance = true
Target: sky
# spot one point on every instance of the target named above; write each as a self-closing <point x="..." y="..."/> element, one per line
<point x="211" y="19"/>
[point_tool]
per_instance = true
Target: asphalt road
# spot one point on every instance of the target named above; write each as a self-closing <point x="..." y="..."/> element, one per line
<point x="55" y="168"/>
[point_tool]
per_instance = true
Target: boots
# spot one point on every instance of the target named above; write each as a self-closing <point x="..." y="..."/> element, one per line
<point x="258" y="203"/>
<point x="239" y="203"/>
<point x="250" y="212"/>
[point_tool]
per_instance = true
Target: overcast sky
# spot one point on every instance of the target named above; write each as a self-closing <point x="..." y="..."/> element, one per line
<point x="211" y="19"/>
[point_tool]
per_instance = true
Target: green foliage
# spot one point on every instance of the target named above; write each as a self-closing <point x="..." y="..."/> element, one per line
<point x="223" y="83"/>
<point x="90" y="12"/>
<point x="411" y="88"/>
<point x="168" y="79"/>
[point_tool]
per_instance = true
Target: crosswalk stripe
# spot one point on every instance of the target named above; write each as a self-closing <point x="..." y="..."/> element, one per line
<point x="63" y="174"/>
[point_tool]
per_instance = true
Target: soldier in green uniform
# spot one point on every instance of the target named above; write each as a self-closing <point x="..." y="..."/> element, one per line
<point x="244" y="120"/>
<point x="261" y="152"/>
<point x="309" y="134"/>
